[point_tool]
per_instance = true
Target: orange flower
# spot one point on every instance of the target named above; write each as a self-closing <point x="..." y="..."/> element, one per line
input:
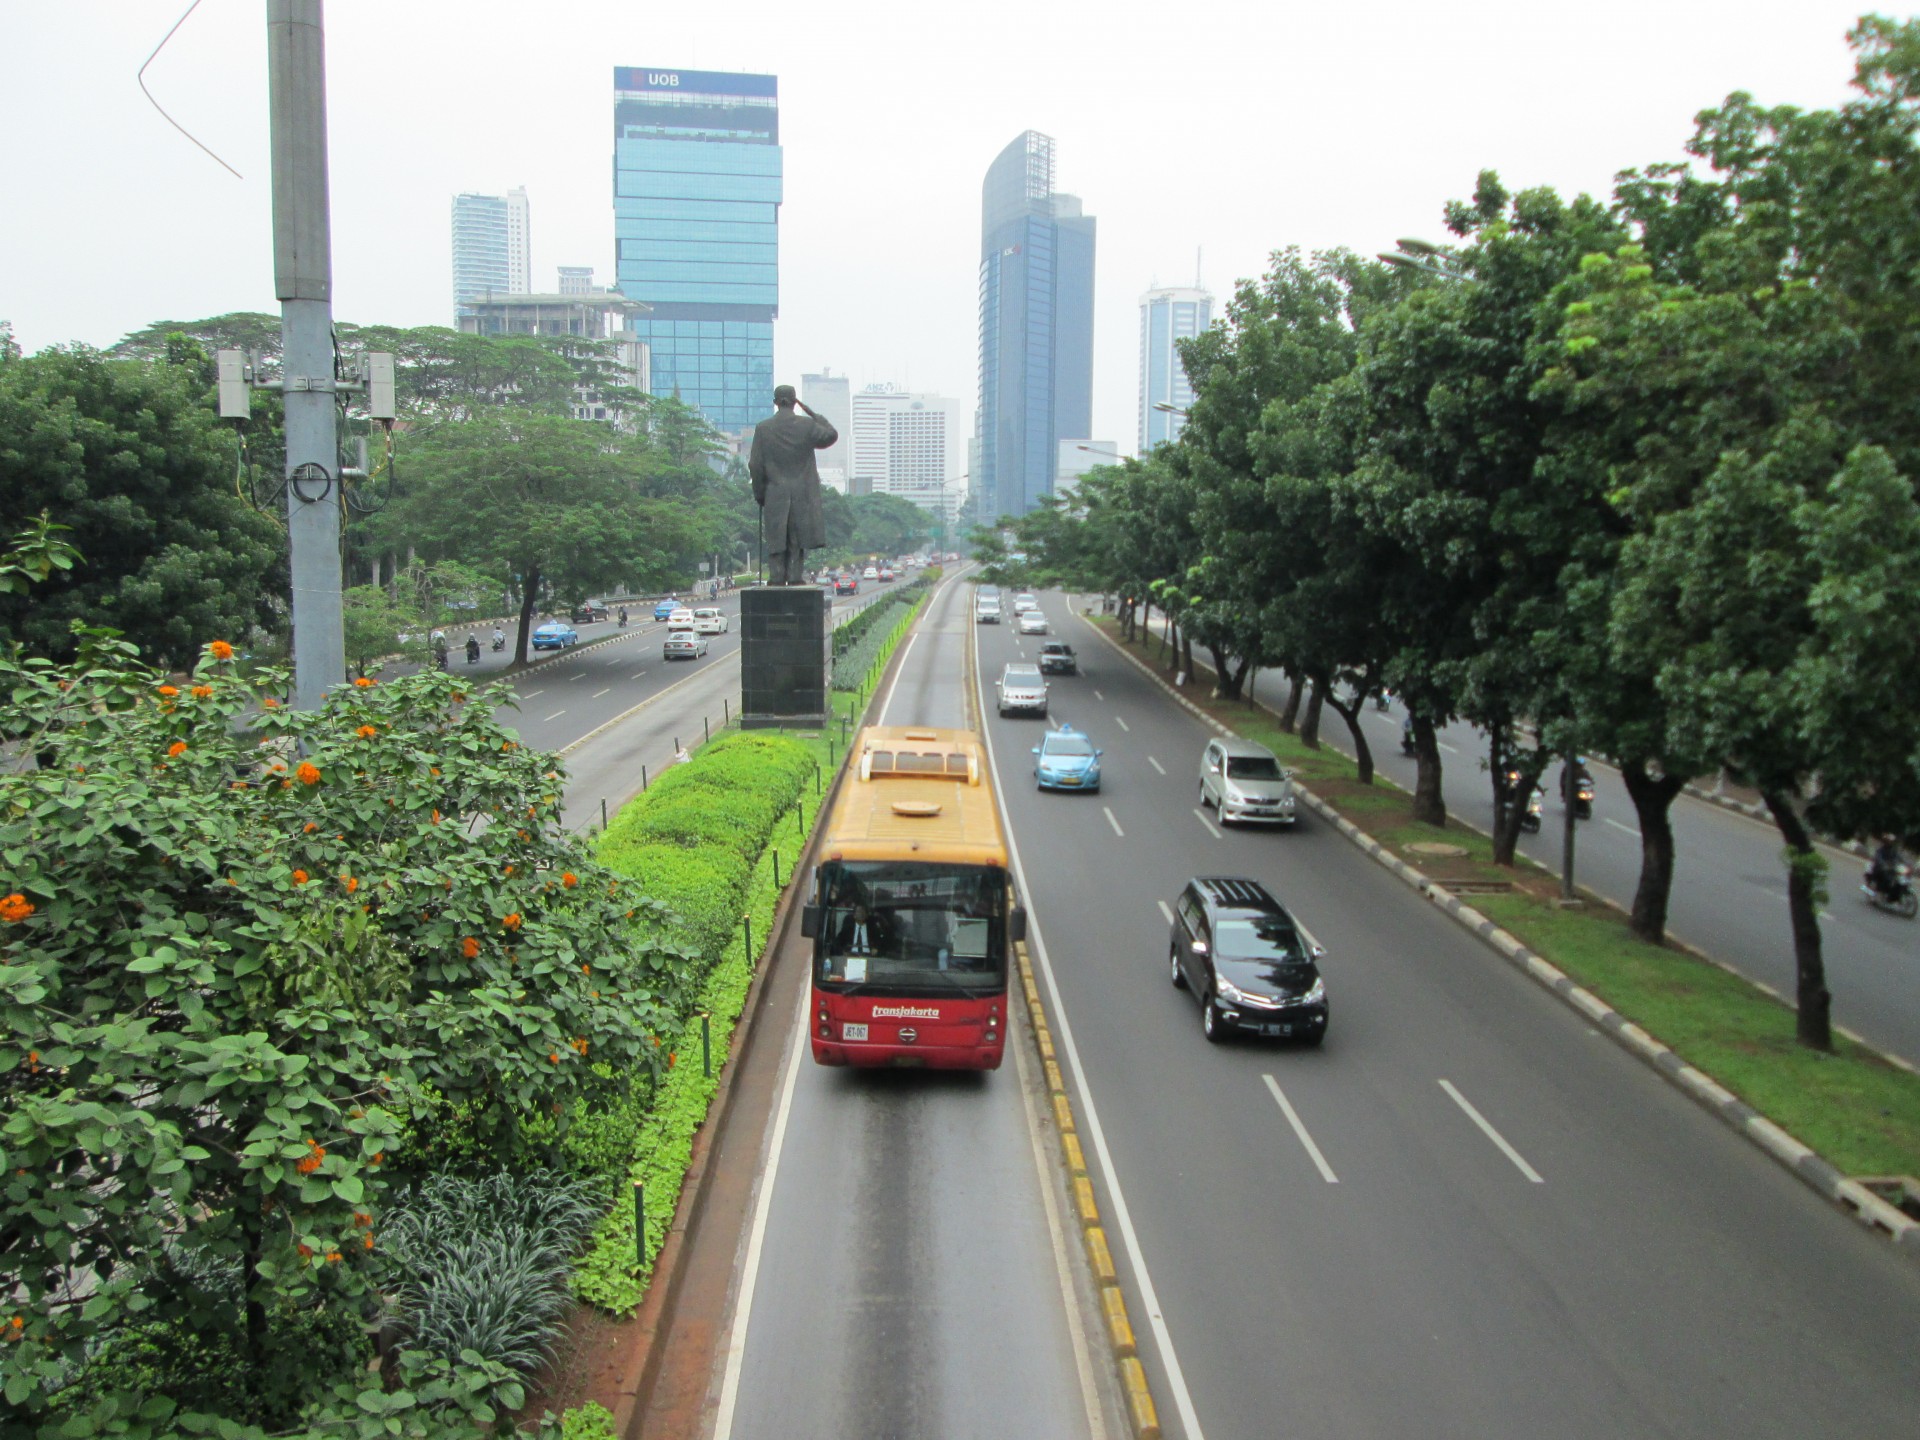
<point x="333" y="1257"/>
<point x="286" y="784"/>
<point x="377" y="1158"/>
<point x="351" y="883"/>
<point x="363" y="682"/>
<point x="309" y="773"/>
<point x="177" y="749"/>
<point x="554" y="1056"/>
<point x="300" y="877"/>
<point x="580" y="1044"/>
<point x="15" y="908"/>
<point x="271" y="703"/>
<point x="671" y="1057"/>
<point x="433" y="769"/>
<point x="221" y="650"/>
<point x="512" y="922"/>
<point x="436" y="817"/>
<point x="306" y="1252"/>
<point x="169" y="691"/>
<point x="470" y="948"/>
<point x="368" y="1240"/>
<point x="586" y="969"/>
<point x="366" y="732"/>
<point x="523" y="835"/>
<point x="239" y="785"/>
<point x="569" y="879"/>
<point x="507" y="871"/>
<point x="202" y="692"/>
<point x="277" y="766"/>
<point x="312" y="825"/>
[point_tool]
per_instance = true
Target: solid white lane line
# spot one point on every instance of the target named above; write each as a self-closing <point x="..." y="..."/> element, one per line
<point x="1098" y="696"/>
<point x="1492" y="1134"/>
<point x="1201" y="816"/>
<point x="1121" y="723"/>
<point x="1165" y="910"/>
<point x="1107" y="811"/>
<point x="1618" y="826"/>
<point x="598" y="693"/>
<point x="1156" y="764"/>
<point x="898" y="671"/>
<point x="762" y="1207"/>
<point x="1286" y="1108"/>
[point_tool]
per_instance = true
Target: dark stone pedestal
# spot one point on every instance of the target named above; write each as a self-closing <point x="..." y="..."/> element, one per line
<point x="784" y="659"/>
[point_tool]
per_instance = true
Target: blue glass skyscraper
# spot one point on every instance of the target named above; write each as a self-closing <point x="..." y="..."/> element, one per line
<point x="1166" y="318"/>
<point x="1036" y="326"/>
<point x="696" y="204"/>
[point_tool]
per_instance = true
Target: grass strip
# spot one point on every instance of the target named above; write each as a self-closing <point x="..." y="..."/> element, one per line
<point x="1850" y="1105"/>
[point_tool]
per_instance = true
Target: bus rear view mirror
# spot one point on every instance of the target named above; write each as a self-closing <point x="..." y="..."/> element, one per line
<point x="810" y="921"/>
<point x="1017" y="924"/>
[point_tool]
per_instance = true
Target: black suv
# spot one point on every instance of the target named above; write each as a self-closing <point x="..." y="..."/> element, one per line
<point x="1251" y="967"/>
<point x="1057" y="658"/>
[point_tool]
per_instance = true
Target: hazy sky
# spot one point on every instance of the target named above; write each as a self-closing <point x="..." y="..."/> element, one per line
<point x="1217" y="125"/>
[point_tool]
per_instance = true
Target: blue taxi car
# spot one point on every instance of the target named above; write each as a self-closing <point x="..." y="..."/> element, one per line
<point x="663" y="608"/>
<point x="555" y="636"/>
<point x="1066" y="760"/>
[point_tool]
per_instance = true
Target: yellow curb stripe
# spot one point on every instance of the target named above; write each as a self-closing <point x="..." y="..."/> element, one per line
<point x="1076" y="1157"/>
<point x="1084" y="1204"/>
<point x="1063" y="1114"/>
<point x="1055" y="1083"/>
<point x="1114" y="1306"/>
<point x="1100" y="1257"/>
<point x="1146" y="1420"/>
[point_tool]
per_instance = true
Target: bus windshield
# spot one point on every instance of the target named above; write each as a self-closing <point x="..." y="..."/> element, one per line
<point x="899" y="927"/>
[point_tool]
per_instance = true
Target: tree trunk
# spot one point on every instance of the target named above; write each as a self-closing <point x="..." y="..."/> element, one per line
<point x="1310" y="726"/>
<point x="1509" y="802"/>
<point x="1813" y="1026"/>
<point x="1290" y="716"/>
<point x="1569" y="825"/>
<point x="529" y="588"/>
<point x="1653" y="803"/>
<point x="1186" y="653"/>
<point x="1362" y="756"/>
<point x="1233" y="678"/>
<point x="1429" y="795"/>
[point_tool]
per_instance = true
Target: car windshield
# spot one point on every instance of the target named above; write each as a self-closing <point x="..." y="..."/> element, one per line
<point x="1253" y="767"/>
<point x="926" y="928"/>
<point x="1069" y="745"/>
<point x="1259" y="937"/>
<point x="1021" y="675"/>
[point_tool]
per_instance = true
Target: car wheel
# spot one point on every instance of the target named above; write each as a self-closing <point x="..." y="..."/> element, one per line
<point x="1211" y="1025"/>
<point x="1173" y="968"/>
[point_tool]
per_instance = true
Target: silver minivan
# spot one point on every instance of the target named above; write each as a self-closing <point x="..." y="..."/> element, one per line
<point x="1244" y="781"/>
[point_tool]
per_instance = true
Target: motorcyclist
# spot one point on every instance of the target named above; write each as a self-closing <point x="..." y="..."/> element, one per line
<point x="623" y="617"/>
<point x="473" y="649"/>
<point x="1883" y="872"/>
<point x="499" y="638"/>
<point x="1573" y="775"/>
<point x="438" y="643"/>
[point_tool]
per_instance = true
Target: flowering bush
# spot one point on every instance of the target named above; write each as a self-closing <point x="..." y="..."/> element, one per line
<point x="206" y="1050"/>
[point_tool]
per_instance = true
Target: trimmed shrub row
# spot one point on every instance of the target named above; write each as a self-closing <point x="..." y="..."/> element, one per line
<point x="864" y="622"/>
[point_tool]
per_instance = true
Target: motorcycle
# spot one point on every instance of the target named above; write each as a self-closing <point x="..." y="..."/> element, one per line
<point x="473" y="651"/>
<point x="1530" y="819"/>
<point x="1898" y="894"/>
<point x="1582" y="796"/>
<point x="499" y="643"/>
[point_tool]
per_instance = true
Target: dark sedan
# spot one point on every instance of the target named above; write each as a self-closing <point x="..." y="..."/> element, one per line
<point x="1247" y="961"/>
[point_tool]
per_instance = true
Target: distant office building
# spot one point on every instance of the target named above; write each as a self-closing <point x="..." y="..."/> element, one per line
<point x="1076" y="457"/>
<point x="597" y="315"/>
<point x="490" y="246"/>
<point x="696" y="204"/>
<point x="1166" y="317"/>
<point x="831" y="396"/>
<point x="576" y="279"/>
<point x="1036" y="325"/>
<point x="908" y="445"/>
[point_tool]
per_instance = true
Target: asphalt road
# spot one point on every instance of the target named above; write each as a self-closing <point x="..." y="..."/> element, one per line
<point x="1468" y="1213"/>
<point x="1729" y="885"/>
<point x="909" y="1282"/>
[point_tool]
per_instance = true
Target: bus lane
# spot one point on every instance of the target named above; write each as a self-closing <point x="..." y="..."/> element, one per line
<point x="1467" y="1213"/>
<point x="902" y="1273"/>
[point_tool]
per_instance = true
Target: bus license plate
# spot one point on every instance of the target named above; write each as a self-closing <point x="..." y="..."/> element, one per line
<point x="853" y="1032"/>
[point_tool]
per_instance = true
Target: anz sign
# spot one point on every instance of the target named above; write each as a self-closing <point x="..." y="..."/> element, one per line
<point x="631" y="78"/>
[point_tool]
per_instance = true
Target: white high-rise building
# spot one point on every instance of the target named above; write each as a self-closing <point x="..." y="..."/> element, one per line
<point x="1167" y="316"/>
<point x="576" y="279"/>
<point x="831" y="396"/>
<point x="908" y="444"/>
<point x="490" y="247"/>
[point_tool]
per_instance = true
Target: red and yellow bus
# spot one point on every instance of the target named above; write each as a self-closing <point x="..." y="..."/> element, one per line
<point x="912" y="912"/>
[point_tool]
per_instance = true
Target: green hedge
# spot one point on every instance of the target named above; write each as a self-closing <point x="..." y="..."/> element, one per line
<point x="864" y="622"/>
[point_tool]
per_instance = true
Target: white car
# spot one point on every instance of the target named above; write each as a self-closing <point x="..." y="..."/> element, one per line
<point x="1023" y="689"/>
<point x="1024" y="602"/>
<point x="680" y="619"/>
<point x="872" y="572"/>
<point x="708" y="621"/>
<point x="1032" y="622"/>
<point x="684" y="645"/>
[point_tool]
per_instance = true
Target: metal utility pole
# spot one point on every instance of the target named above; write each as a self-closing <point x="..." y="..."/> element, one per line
<point x="303" y="279"/>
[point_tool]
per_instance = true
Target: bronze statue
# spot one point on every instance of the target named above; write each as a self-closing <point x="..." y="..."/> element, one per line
<point x="786" y="485"/>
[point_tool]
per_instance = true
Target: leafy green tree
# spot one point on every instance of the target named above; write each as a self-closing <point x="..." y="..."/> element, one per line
<point x="377" y="625"/>
<point x="127" y="457"/>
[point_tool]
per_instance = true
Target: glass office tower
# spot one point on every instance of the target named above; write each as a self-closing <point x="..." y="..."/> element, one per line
<point x="1166" y="318"/>
<point x="696" y="205"/>
<point x="1036" y="326"/>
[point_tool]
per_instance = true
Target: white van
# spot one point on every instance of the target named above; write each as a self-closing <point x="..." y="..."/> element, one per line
<point x="986" y="610"/>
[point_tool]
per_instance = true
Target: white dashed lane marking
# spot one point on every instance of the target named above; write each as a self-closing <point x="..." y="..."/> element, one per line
<point x="1156" y="764"/>
<point x="1107" y="810"/>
